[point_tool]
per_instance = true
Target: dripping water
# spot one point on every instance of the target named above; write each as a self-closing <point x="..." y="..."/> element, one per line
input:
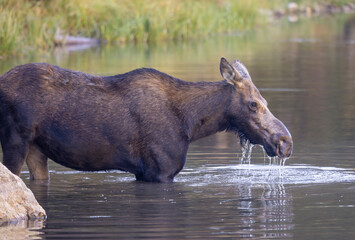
<point x="247" y="149"/>
<point x="284" y="161"/>
<point x="248" y="160"/>
<point x="262" y="148"/>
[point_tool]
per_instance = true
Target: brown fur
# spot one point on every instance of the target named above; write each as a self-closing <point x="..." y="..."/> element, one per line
<point x="141" y="121"/>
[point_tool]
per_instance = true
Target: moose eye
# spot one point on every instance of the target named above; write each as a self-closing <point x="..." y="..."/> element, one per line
<point x="253" y="106"/>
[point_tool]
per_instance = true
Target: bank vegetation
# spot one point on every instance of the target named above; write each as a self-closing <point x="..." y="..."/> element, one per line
<point x="31" y="25"/>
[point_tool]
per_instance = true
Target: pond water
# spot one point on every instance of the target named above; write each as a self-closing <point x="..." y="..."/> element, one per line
<point x="305" y="70"/>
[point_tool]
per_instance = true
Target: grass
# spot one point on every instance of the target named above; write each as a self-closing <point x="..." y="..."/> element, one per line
<point x="8" y="31"/>
<point x="30" y="25"/>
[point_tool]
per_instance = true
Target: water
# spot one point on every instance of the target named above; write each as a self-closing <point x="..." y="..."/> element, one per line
<point x="306" y="72"/>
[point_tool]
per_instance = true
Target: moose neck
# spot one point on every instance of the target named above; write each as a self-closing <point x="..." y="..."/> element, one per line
<point x="204" y="106"/>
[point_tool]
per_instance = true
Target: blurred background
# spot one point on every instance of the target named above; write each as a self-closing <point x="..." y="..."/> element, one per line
<point x="300" y="54"/>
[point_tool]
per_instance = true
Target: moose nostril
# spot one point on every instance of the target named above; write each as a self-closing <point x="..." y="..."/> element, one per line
<point x="284" y="147"/>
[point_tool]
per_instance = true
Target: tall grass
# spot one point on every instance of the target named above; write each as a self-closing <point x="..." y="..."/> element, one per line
<point x="8" y="31"/>
<point x="29" y="25"/>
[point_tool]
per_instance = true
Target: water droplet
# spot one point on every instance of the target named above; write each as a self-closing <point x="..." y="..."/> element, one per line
<point x="249" y="153"/>
<point x="245" y="148"/>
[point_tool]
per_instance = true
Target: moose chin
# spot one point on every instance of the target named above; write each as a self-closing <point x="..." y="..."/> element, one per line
<point x="141" y="121"/>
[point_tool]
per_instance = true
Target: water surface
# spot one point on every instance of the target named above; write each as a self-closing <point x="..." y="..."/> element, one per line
<point x="306" y="72"/>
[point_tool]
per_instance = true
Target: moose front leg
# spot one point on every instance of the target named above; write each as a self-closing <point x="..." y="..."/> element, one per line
<point x="162" y="166"/>
<point x="14" y="155"/>
<point x="37" y="164"/>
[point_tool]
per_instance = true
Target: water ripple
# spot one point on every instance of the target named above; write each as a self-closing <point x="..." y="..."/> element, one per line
<point x="261" y="174"/>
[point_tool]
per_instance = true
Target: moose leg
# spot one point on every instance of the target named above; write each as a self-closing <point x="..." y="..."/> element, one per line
<point x="14" y="155"/>
<point x="37" y="164"/>
<point x="162" y="166"/>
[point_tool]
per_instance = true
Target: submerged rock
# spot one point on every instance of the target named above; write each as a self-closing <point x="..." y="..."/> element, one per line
<point x="17" y="202"/>
<point x="292" y="7"/>
<point x="62" y="40"/>
<point x="309" y="9"/>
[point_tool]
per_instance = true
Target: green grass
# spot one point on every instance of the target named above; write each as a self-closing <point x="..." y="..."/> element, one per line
<point x="8" y="31"/>
<point x="30" y="25"/>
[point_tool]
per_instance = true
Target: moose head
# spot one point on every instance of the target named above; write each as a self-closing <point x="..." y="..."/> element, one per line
<point x="249" y="114"/>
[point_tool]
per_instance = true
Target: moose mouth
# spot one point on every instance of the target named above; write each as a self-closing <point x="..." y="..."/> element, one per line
<point x="282" y="148"/>
<point x="270" y="150"/>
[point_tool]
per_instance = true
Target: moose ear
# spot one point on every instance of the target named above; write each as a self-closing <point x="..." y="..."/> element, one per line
<point x="241" y="69"/>
<point x="229" y="73"/>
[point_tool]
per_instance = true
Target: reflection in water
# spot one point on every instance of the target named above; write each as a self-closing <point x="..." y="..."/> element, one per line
<point x="349" y="30"/>
<point x="266" y="211"/>
<point x="113" y="202"/>
<point x="25" y="229"/>
<point x="228" y="200"/>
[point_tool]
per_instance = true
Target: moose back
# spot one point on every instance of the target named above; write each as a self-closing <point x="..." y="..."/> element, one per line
<point x="141" y="121"/>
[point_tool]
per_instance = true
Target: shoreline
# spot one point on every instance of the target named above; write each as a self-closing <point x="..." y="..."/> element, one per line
<point x="36" y="28"/>
<point x="317" y="9"/>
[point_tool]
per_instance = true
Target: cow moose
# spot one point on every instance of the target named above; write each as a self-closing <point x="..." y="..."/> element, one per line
<point x="141" y="121"/>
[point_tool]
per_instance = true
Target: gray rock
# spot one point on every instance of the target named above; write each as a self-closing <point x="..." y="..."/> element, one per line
<point x="74" y="40"/>
<point x="292" y="7"/>
<point x="17" y="202"/>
